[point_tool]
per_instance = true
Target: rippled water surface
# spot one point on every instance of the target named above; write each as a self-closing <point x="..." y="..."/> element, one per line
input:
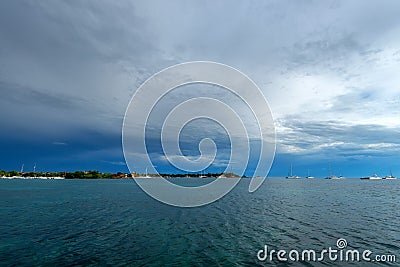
<point x="112" y="222"/>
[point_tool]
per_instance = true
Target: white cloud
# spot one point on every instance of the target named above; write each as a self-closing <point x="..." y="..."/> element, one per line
<point x="75" y="65"/>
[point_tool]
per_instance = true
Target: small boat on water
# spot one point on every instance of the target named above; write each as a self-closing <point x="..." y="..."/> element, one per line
<point x="332" y="176"/>
<point x="308" y="175"/>
<point x="390" y="177"/>
<point x="340" y="175"/>
<point x="290" y="175"/>
<point x="142" y="176"/>
<point x="372" y="177"/>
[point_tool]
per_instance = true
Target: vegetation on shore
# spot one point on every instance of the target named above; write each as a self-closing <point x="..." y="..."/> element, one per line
<point x="67" y="175"/>
<point x="94" y="174"/>
<point x="194" y="175"/>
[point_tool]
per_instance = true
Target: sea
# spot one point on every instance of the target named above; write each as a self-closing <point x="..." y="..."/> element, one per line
<point x="115" y="223"/>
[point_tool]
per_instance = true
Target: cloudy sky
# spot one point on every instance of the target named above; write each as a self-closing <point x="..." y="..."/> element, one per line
<point x="329" y="70"/>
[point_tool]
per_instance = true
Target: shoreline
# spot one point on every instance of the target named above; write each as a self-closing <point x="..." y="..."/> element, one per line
<point x="177" y="177"/>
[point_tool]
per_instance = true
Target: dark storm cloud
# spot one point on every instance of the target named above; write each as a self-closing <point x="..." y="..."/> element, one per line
<point x="70" y="64"/>
<point x="14" y="94"/>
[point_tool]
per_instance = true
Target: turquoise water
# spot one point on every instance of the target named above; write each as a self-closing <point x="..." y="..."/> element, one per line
<point x="112" y="222"/>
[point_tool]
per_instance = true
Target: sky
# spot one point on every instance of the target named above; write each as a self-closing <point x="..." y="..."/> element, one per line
<point x="328" y="69"/>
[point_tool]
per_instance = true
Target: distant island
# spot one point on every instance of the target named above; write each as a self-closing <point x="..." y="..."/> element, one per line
<point x="94" y="174"/>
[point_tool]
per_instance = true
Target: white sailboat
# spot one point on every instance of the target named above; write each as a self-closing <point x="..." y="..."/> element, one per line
<point x="22" y="173"/>
<point x="291" y="176"/>
<point x="332" y="176"/>
<point x="372" y="177"/>
<point x="308" y="175"/>
<point x="341" y="176"/>
<point x="145" y="176"/>
<point x="390" y="177"/>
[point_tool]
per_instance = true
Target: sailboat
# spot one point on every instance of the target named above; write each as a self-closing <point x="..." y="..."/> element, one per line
<point x="291" y="176"/>
<point x="308" y="175"/>
<point x="390" y="177"/>
<point x="341" y="176"/>
<point x="372" y="177"/>
<point x="34" y="171"/>
<point x="21" y="175"/>
<point x="331" y="176"/>
<point x="146" y="175"/>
